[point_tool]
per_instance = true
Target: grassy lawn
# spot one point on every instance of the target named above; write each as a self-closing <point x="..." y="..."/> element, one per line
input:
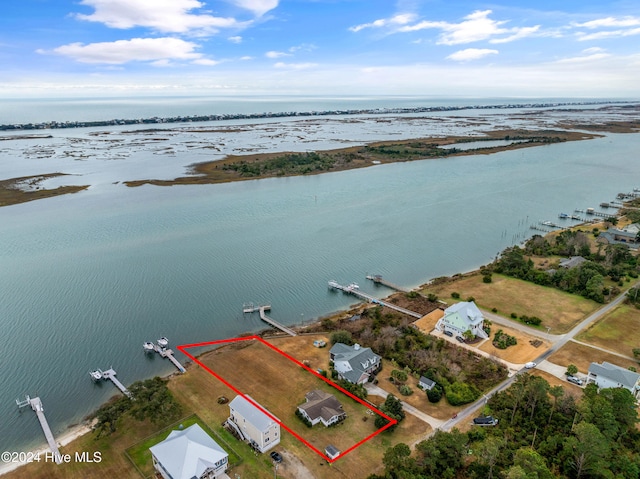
<point x="617" y="331"/>
<point x="141" y="456"/>
<point x="582" y="356"/>
<point x="558" y="310"/>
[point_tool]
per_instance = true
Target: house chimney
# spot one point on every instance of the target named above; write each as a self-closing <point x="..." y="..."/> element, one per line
<point x="356" y="346"/>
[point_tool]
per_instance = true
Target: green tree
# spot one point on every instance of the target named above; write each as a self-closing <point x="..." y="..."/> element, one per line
<point x="533" y="463"/>
<point x="588" y="449"/>
<point x="397" y="460"/>
<point x="392" y="407"/>
<point x="556" y="392"/>
<point x="489" y="451"/>
<point x="341" y="336"/>
<point x="572" y="370"/>
<point x="442" y="455"/>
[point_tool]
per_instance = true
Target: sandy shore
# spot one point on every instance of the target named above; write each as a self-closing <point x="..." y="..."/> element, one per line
<point x="71" y="435"/>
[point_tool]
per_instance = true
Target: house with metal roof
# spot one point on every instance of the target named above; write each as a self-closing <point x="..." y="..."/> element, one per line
<point x="252" y="424"/>
<point x="627" y="235"/>
<point x="461" y="317"/>
<point x="322" y="407"/>
<point x="354" y="363"/>
<point x="189" y="454"/>
<point x="426" y="383"/>
<point x="607" y="375"/>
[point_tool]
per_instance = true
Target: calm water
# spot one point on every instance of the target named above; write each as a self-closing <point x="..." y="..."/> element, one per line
<point x="86" y="279"/>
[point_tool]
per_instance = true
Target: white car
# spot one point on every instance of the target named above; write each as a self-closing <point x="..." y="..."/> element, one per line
<point x="530" y="365"/>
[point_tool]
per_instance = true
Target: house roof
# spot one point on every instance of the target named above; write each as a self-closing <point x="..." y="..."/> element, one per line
<point x="427" y="382"/>
<point x="463" y="314"/>
<point x="188" y="453"/>
<point x="331" y="450"/>
<point x="321" y="405"/>
<point x="572" y="262"/>
<point x="251" y="413"/>
<point x="358" y="358"/>
<point x="615" y="373"/>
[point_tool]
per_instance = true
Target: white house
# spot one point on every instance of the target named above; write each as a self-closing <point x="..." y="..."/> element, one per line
<point x="253" y="425"/>
<point x="322" y="407"/>
<point x="461" y="317"/>
<point x="607" y="375"/>
<point x="426" y="383"/>
<point x="354" y="363"/>
<point x="188" y="454"/>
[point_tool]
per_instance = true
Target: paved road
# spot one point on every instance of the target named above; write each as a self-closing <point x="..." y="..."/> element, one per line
<point x="432" y="421"/>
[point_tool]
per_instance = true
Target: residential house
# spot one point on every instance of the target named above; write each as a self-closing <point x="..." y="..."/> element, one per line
<point x="189" y="454"/>
<point x="252" y="424"/>
<point x="627" y="235"/>
<point x="426" y="383"/>
<point x="607" y="375"/>
<point x="462" y="317"/>
<point x="354" y="363"/>
<point x="572" y="262"/>
<point x="331" y="452"/>
<point x="322" y="407"/>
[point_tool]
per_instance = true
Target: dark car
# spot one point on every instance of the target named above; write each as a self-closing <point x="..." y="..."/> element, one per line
<point x="485" y="421"/>
<point x="449" y="333"/>
<point x="276" y="456"/>
<point x="460" y="338"/>
<point x="574" y="380"/>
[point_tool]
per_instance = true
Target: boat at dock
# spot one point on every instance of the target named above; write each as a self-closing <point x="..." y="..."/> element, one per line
<point x="163" y="342"/>
<point x="149" y="347"/>
<point x="563" y="216"/>
<point x="96" y="375"/>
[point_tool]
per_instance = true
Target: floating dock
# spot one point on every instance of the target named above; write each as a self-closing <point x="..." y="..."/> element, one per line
<point x="36" y="405"/>
<point x="376" y="278"/>
<point x="250" y="308"/>
<point x="354" y="289"/>
<point x="162" y="350"/>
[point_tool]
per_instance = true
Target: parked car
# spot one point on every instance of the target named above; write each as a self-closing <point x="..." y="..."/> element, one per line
<point x="460" y="338"/>
<point x="276" y="456"/>
<point x="485" y="421"/>
<point x="575" y="380"/>
<point x="449" y="333"/>
<point x="530" y="365"/>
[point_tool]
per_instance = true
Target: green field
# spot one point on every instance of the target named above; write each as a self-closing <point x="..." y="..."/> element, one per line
<point x="618" y="331"/>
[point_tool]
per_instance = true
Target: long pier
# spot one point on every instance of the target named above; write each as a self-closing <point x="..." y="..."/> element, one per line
<point x="376" y="278"/>
<point x="36" y="405"/>
<point x="596" y="213"/>
<point x="168" y="353"/>
<point x="250" y="308"/>
<point x="110" y="375"/>
<point x="354" y="289"/>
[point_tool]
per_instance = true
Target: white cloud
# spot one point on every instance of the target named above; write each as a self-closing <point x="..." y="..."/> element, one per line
<point x="276" y="54"/>
<point x="588" y="55"/>
<point x="608" y="34"/>
<point x="162" y="15"/>
<point x="400" y="19"/>
<point x="158" y="50"/>
<point x="246" y="57"/>
<point x="611" y="22"/>
<point x="476" y="26"/>
<point x="295" y="66"/>
<point x="471" y="54"/>
<point x="235" y="39"/>
<point x="206" y="62"/>
<point x="258" y="7"/>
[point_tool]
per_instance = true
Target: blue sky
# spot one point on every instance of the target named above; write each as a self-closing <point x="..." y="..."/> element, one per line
<point x="320" y="47"/>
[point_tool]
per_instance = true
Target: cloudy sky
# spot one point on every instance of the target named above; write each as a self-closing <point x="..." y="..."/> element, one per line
<point x="577" y="48"/>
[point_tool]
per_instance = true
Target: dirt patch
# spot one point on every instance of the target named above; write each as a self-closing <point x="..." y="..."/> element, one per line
<point x="582" y="356"/>
<point x="520" y="353"/>
<point x="428" y="322"/>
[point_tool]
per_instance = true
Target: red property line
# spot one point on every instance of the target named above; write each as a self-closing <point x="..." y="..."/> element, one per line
<point x="391" y="422"/>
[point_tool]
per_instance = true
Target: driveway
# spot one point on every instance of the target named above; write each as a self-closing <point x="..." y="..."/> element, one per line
<point x="430" y="420"/>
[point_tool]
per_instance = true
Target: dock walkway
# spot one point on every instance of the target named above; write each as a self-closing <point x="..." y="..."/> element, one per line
<point x="376" y="278"/>
<point x="354" y="290"/>
<point x="36" y="405"/>
<point x="110" y="374"/>
<point x="250" y="308"/>
<point x="168" y="353"/>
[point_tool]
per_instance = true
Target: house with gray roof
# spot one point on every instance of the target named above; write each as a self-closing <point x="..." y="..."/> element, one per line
<point x="627" y="235"/>
<point x="461" y="317"/>
<point x="354" y="363"/>
<point x="252" y="424"/>
<point x="426" y="383"/>
<point x="322" y="407"/>
<point x="572" y="262"/>
<point x="189" y="454"/>
<point x="607" y="375"/>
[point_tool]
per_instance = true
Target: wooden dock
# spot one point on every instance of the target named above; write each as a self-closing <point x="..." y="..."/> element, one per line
<point x="36" y="405"/>
<point x="250" y="308"/>
<point x="354" y="289"/>
<point x="110" y="375"/>
<point x="168" y="353"/>
<point x="376" y="278"/>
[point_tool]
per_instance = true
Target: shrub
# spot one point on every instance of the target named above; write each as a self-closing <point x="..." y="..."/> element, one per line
<point x="486" y="278"/>
<point x="303" y="419"/>
<point x="494" y="310"/>
<point x="341" y="336"/>
<point x="399" y="376"/>
<point x="433" y="298"/>
<point x="455" y="295"/>
<point x="470" y="299"/>
<point x="460" y="393"/>
<point x="405" y="390"/>
<point x="434" y="394"/>
<point x="514" y="315"/>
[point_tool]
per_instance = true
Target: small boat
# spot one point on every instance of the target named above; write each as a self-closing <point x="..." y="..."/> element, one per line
<point x="149" y="346"/>
<point x="333" y="284"/>
<point x="353" y="286"/>
<point x="96" y="375"/>
<point x="563" y="216"/>
<point x="163" y="342"/>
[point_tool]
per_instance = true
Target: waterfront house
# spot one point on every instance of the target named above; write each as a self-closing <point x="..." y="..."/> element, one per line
<point x="322" y="407"/>
<point x="189" y="454"/>
<point x="607" y="375"/>
<point x="627" y="235"/>
<point x="461" y="317"/>
<point x="354" y="363"/>
<point x="252" y="424"/>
